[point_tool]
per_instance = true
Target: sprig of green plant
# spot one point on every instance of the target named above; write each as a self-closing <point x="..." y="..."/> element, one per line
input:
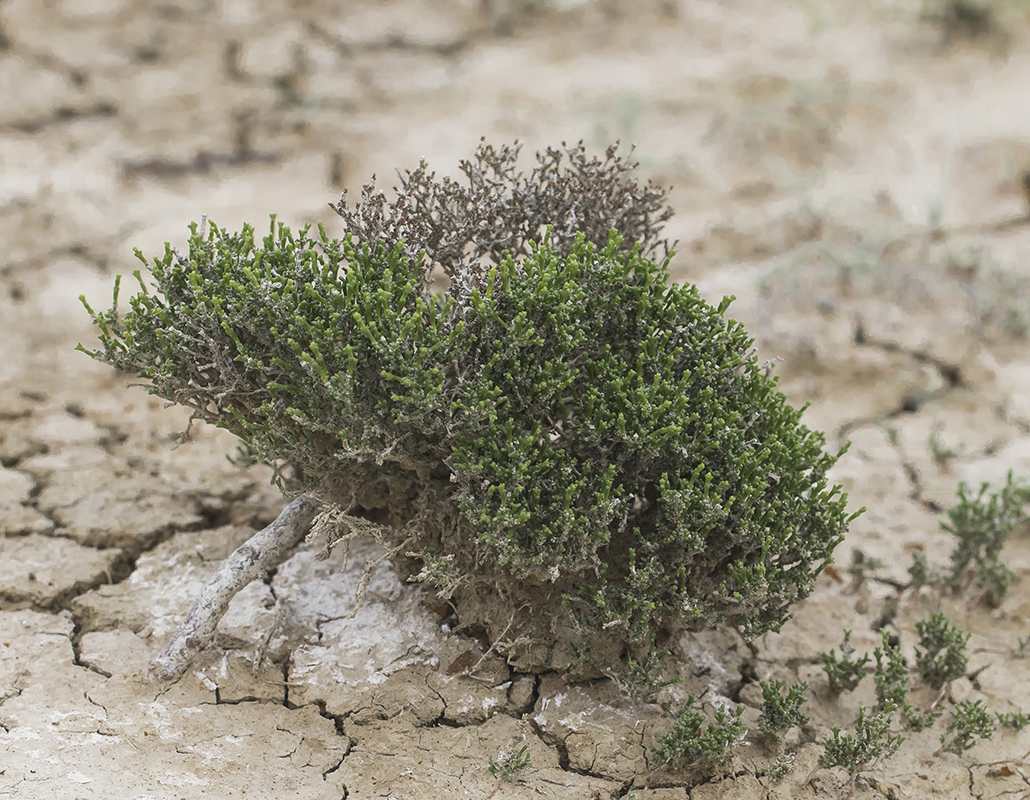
<point x="941" y="652"/>
<point x="781" y="712"/>
<point x="510" y="762"/>
<point x="844" y="673"/>
<point x="778" y="770"/>
<point x="969" y="721"/>
<point x="922" y="573"/>
<point x="1017" y="720"/>
<point x="982" y="524"/>
<point x="693" y="741"/>
<point x="871" y="742"/>
<point x="639" y="680"/>
<point x="917" y="719"/>
<point x="891" y="676"/>
<point x="862" y="564"/>
<point x="942" y="454"/>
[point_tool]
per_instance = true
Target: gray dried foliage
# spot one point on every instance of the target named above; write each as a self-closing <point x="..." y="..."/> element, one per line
<point x="462" y="228"/>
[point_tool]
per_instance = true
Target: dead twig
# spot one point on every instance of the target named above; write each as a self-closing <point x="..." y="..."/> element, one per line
<point x="265" y="550"/>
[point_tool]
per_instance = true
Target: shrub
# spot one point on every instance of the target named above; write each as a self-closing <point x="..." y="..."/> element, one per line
<point x="781" y="712"/>
<point x="510" y="762"/>
<point x="780" y="768"/>
<point x="941" y="654"/>
<point x="871" y="742"/>
<point x="583" y="457"/>
<point x="969" y="721"/>
<point x="692" y="742"/>
<point x="844" y="673"/>
<point x="891" y="674"/>
<point x="641" y="680"/>
<point x="1017" y="720"/>
<point x="922" y="573"/>
<point x="982" y="524"/>
<point x="891" y="677"/>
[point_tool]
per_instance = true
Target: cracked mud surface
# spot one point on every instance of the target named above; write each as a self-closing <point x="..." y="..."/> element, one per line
<point x="853" y="173"/>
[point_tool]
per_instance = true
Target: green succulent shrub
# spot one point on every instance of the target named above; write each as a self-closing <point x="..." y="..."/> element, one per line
<point x="941" y="654"/>
<point x="970" y="720"/>
<point x="871" y="742"/>
<point x="891" y="677"/>
<point x="982" y="523"/>
<point x="780" y="712"/>
<point x="500" y="383"/>
<point x="694" y="741"/>
<point x="1017" y="720"/>
<point x="844" y="673"/>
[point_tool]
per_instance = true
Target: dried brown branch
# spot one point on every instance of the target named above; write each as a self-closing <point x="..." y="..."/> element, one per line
<point x="265" y="550"/>
<point x="458" y="225"/>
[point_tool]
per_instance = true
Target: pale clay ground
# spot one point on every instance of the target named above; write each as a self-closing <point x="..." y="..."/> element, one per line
<point x="850" y="171"/>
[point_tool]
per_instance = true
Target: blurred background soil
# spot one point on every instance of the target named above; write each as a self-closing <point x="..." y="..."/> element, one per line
<point x="857" y="174"/>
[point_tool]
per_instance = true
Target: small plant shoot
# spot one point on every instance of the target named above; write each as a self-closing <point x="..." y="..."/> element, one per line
<point x="982" y="523"/>
<point x="510" y="762"/>
<point x="844" y="673"/>
<point x="781" y="767"/>
<point x="780" y="712"/>
<point x="696" y="742"/>
<point x="970" y="720"/>
<point x="941" y="653"/>
<point x="1016" y="720"/>
<point x="891" y="677"/>
<point x="871" y="742"/>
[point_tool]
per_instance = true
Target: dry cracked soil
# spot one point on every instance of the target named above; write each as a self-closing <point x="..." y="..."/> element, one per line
<point x="857" y="174"/>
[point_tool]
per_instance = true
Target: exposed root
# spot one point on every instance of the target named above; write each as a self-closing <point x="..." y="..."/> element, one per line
<point x="265" y="550"/>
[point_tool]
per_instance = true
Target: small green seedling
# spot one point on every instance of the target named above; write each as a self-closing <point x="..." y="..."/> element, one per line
<point x="692" y="742"/>
<point x="922" y="573"/>
<point x="942" y="454"/>
<point x="1017" y="720"/>
<point x="778" y="770"/>
<point x="781" y="712"/>
<point x="969" y="721"/>
<point x="844" y="673"/>
<point x="510" y="762"/>
<point x="891" y="677"/>
<point x="640" y="681"/>
<point x="862" y="565"/>
<point x="871" y="742"/>
<point x="982" y="524"/>
<point x="941" y="653"/>
<point x="891" y="674"/>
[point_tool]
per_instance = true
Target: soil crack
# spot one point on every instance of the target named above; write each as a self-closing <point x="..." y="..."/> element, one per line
<point x="392" y="42"/>
<point x="64" y="115"/>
